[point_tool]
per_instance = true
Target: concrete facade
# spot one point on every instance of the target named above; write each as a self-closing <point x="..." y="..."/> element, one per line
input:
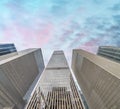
<point x="8" y="56"/>
<point x="17" y="73"/>
<point x="99" y="79"/>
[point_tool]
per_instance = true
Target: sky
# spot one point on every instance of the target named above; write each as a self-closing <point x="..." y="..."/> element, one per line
<point x="60" y="24"/>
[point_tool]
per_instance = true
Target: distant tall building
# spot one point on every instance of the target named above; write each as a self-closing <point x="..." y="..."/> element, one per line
<point x="7" y="48"/>
<point x="110" y="52"/>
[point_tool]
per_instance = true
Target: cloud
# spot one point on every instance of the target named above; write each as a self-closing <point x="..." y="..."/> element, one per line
<point x="116" y="18"/>
<point x="60" y="24"/>
<point x="115" y="7"/>
<point x="28" y="36"/>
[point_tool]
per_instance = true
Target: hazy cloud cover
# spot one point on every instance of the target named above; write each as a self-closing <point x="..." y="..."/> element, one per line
<point x="60" y="24"/>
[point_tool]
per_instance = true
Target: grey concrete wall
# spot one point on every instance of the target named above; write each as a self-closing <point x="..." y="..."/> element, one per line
<point x="8" y="55"/>
<point x="17" y="73"/>
<point x="99" y="79"/>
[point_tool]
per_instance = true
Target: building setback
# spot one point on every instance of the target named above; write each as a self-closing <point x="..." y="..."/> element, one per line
<point x="99" y="79"/>
<point x="110" y="52"/>
<point x="17" y="75"/>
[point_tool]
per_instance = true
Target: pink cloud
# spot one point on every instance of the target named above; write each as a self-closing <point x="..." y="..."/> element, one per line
<point x="28" y="36"/>
<point x="77" y="38"/>
<point x="66" y="35"/>
<point x="91" y="46"/>
<point x="91" y="43"/>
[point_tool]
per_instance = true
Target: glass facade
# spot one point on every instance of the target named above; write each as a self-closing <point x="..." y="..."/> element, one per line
<point x="7" y="48"/>
<point x="110" y="52"/>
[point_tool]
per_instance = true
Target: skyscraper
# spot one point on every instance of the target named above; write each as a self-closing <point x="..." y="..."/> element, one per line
<point x="99" y="79"/>
<point x="18" y="76"/>
<point x="57" y="86"/>
<point x="7" y="48"/>
<point x="23" y="86"/>
<point x="110" y="52"/>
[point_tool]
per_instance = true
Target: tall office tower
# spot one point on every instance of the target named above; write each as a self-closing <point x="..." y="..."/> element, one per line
<point x="110" y="52"/>
<point x="56" y="86"/>
<point x="99" y="79"/>
<point x="7" y="48"/>
<point x="18" y="76"/>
